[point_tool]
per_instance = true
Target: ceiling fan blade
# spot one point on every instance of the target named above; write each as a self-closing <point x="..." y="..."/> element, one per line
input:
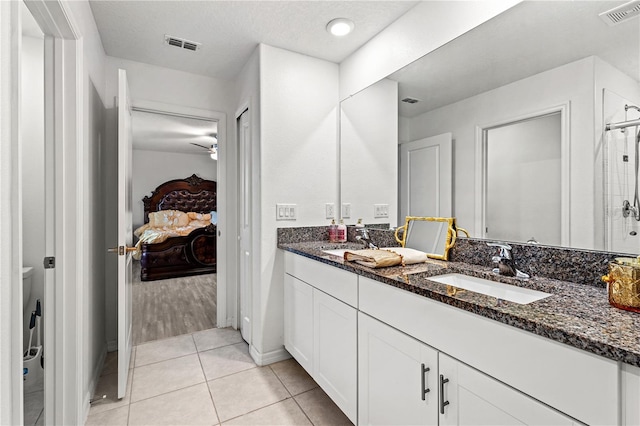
<point x="201" y="146"/>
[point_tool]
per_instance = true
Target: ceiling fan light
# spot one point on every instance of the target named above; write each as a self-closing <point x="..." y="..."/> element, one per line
<point x="214" y="155"/>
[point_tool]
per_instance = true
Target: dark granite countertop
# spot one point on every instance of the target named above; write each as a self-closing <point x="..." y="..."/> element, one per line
<point x="576" y="314"/>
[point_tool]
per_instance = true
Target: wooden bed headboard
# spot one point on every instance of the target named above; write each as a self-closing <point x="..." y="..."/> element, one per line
<point x="192" y="194"/>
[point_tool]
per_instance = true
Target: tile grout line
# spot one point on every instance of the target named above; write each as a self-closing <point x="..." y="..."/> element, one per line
<point x="261" y="408"/>
<point x="292" y="396"/>
<point x="215" y="410"/>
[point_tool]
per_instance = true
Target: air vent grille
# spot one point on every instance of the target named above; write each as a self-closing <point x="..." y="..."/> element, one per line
<point x="182" y="43"/>
<point x="411" y="100"/>
<point x="621" y="13"/>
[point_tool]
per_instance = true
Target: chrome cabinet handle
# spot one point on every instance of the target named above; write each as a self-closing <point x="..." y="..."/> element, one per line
<point x="425" y="389"/>
<point x="443" y="403"/>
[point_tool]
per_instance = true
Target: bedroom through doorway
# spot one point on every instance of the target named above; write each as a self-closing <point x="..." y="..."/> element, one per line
<point x="174" y="189"/>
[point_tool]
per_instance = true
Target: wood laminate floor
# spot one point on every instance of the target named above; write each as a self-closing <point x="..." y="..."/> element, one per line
<point x="172" y="307"/>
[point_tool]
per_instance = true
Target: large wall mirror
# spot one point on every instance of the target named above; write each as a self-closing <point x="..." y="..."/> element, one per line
<point x="503" y="128"/>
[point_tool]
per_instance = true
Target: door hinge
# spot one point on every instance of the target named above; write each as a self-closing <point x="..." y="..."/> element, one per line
<point x="49" y="262"/>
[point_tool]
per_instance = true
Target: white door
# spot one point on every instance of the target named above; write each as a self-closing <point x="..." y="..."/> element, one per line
<point x="245" y="175"/>
<point x="426" y="173"/>
<point x="470" y="397"/>
<point x="124" y="232"/>
<point x="397" y="377"/>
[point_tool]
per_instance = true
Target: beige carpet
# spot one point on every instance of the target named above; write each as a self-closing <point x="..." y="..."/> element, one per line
<point x="171" y="307"/>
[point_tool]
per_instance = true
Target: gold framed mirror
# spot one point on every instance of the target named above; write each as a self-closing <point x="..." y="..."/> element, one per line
<point x="432" y="235"/>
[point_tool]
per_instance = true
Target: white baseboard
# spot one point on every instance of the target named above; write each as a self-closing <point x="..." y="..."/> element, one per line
<point x="112" y="345"/>
<point x="93" y="384"/>
<point x="268" y="357"/>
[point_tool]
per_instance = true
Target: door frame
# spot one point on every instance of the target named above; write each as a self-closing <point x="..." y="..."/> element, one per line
<point x="224" y="228"/>
<point x="63" y="50"/>
<point x="565" y="167"/>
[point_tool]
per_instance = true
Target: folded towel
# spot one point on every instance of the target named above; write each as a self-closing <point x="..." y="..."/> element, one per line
<point x="373" y="258"/>
<point x="409" y="255"/>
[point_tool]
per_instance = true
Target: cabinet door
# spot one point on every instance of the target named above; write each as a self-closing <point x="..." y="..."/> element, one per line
<point x="335" y="351"/>
<point x="298" y="321"/>
<point x="394" y="370"/>
<point x="469" y="397"/>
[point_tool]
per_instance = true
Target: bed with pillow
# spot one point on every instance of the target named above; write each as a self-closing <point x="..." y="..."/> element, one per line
<point x="178" y="238"/>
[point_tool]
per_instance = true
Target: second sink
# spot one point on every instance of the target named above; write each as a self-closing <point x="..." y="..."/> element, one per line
<point x="503" y="291"/>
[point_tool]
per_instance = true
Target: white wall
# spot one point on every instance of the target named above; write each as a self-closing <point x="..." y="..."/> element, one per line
<point x="369" y="152"/>
<point x="153" y="168"/>
<point x="421" y="30"/>
<point x="165" y="86"/>
<point x="32" y="127"/>
<point x="569" y="83"/>
<point x="298" y="106"/>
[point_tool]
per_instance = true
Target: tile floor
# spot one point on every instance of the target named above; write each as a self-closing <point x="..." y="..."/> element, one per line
<point x="209" y="378"/>
<point x="34" y="408"/>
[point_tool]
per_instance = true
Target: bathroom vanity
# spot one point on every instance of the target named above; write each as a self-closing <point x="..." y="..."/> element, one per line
<point x="392" y="346"/>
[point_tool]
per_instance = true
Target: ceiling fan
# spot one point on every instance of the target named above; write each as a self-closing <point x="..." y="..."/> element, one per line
<point x="212" y="151"/>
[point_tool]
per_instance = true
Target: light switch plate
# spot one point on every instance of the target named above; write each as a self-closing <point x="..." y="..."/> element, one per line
<point x="380" y="210"/>
<point x="286" y="211"/>
<point x="330" y="210"/>
<point x="346" y="210"/>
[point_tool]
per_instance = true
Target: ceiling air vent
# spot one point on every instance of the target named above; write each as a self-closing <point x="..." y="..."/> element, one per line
<point x="182" y="43"/>
<point x="621" y="13"/>
<point x="411" y="100"/>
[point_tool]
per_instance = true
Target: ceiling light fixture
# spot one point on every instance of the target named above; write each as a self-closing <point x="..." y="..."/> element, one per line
<point x="340" y="26"/>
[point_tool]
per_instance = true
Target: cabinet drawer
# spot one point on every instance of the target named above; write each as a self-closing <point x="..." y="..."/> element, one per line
<point x="578" y="383"/>
<point x="336" y="282"/>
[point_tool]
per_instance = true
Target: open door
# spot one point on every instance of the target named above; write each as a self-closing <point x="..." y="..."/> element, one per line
<point x="426" y="173"/>
<point x="245" y="175"/>
<point x="125" y="231"/>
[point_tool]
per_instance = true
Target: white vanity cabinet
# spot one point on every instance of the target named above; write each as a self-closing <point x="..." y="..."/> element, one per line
<point x="577" y="383"/>
<point x="403" y="381"/>
<point x="469" y="397"/>
<point x="298" y="321"/>
<point x="397" y="377"/>
<point x="320" y="327"/>
<point x="376" y="349"/>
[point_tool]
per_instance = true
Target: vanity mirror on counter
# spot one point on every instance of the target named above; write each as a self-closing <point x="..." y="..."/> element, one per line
<point x="433" y="235"/>
<point x="503" y="128"/>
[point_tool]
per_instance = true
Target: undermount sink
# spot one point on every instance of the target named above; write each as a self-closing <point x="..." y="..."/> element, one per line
<point x="503" y="291"/>
<point x="336" y="252"/>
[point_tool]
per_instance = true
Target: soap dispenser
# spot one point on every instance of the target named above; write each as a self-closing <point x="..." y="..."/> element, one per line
<point x="342" y="232"/>
<point x="333" y="232"/>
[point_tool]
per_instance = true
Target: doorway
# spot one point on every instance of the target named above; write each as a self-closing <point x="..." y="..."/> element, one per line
<point x="33" y="214"/>
<point x="169" y="146"/>
<point x="523" y="195"/>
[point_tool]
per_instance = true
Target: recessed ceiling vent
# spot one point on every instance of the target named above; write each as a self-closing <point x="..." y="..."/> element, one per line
<point x="182" y="43"/>
<point x="411" y="100"/>
<point x="621" y="13"/>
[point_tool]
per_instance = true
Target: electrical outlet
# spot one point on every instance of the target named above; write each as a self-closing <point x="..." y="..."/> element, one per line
<point x="346" y="210"/>
<point x="380" y="210"/>
<point x="330" y="210"/>
<point x="286" y="211"/>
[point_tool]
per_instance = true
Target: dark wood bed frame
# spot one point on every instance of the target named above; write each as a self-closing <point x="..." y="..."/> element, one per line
<point x="193" y="254"/>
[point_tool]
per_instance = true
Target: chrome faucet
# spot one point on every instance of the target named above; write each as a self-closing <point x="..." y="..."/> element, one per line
<point x="505" y="264"/>
<point x="364" y="238"/>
